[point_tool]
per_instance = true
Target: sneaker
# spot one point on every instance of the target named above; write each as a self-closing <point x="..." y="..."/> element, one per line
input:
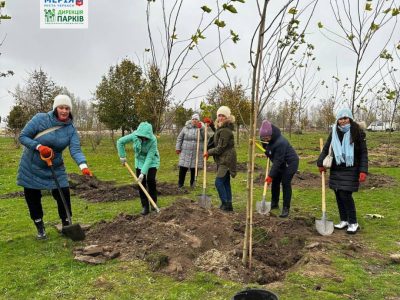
<point x="341" y="225"/>
<point x="353" y="228"/>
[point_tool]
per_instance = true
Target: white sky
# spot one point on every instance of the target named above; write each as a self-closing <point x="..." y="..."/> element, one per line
<point x="117" y="29"/>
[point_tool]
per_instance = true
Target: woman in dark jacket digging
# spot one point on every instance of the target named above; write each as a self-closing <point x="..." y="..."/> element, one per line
<point x="285" y="163"/>
<point x="224" y="154"/>
<point x="349" y="166"/>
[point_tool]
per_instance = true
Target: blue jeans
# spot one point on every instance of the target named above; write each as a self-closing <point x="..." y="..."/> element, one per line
<point x="223" y="185"/>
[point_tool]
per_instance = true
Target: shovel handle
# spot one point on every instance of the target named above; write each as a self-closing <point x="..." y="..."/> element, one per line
<point x="205" y="160"/>
<point x="49" y="159"/>
<point x="321" y="146"/>
<point x="266" y="183"/>
<point x="197" y="152"/>
<point x="143" y="188"/>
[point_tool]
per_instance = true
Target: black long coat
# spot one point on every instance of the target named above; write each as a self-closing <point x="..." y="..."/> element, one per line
<point x="342" y="177"/>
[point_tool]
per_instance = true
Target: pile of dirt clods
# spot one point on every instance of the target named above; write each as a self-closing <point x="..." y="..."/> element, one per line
<point x="95" y="190"/>
<point x="185" y="237"/>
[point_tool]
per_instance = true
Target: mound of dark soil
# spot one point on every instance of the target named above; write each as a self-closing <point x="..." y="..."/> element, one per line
<point x="185" y="237"/>
<point x="95" y="190"/>
<point x="313" y="180"/>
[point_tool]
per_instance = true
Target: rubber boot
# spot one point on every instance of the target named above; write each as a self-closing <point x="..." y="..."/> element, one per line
<point x="285" y="212"/>
<point x="41" y="232"/>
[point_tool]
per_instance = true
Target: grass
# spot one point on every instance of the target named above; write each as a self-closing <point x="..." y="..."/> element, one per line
<point x="32" y="269"/>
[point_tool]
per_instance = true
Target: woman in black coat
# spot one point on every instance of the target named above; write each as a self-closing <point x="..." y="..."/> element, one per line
<point x="349" y="166"/>
<point x="285" y="163"/>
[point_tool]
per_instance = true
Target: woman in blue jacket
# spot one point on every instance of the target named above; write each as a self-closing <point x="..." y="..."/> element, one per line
<point x="285" y="163"/>
<point x="147" y="159"/>
<point x="48" y="134"/>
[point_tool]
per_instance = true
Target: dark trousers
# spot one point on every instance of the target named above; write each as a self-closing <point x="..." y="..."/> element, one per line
<point x="149" y="182"/>
<point x="284" y="178"/>
<point x="223" y="185"/>
<point x="33" y="198"/>
<point x="346" y="206"/>
<point x="182" y="175"/>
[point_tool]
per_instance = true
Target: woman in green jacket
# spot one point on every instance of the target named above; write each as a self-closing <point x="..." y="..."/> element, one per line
<point x="224" y="154"/>
<point x="147" y="160"/>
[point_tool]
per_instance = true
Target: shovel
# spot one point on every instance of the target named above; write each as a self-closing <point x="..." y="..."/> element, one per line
<point x="264" y="207"/>
<point x="143" y="188"/>
<point x="205" y="200"/>
<point x="323" y="226"/>
<point x="73" y="231"/>
<point x="196" y="169"/>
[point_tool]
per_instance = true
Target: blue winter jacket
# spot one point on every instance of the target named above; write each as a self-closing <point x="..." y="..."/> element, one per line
<point x="281" y="153"/>
<point x="33" y="172"/>
<point x="146" y="153"/>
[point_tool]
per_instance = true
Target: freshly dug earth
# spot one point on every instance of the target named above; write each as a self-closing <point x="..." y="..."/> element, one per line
<point x="95" y="190"/>
<point x="183" y="238"/>
<point x="310" y="180"/>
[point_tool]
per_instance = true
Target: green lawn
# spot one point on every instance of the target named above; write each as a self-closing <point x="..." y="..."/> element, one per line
<point x="32" y="269"/>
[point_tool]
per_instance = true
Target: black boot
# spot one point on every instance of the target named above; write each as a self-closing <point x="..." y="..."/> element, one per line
<point x="285" y="212"/>
<point x="274" y="205"/>
<point x="145" y="211"/>
<point x="223" y="206"/>
<point x="41" y="232"/>
<point x="228" y="206"/>
<point x="64" y="223"/>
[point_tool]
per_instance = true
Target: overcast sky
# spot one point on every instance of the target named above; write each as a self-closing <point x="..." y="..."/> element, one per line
<point x="77" y="58"/>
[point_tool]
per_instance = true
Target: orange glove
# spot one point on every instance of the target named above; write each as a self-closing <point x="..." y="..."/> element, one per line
<point x="206" y="155"/>
<point x="268" y="180"/>
<point x="199" y="125"/>
<point x="87" y="172"/>
<point x="45" y="151"/>
<point x="322" y="169"/>
<point x="362" y="177"/>
<point x="178" y="152"/>
<point x="207" y="120"/>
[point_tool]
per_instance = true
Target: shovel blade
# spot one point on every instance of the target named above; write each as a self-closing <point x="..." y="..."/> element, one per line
<point x="324" y="226"/>
<point x="205" y="201"/>
<point x="74" y="232"/>
<point x="263" y="207"/>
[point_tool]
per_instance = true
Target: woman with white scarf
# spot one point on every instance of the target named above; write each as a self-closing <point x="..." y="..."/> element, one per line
<point x="349" y="166"/>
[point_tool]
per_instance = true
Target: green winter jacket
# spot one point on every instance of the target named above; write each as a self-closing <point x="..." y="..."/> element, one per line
<point x="146" y="153"/>
<point x="224" y="152"/>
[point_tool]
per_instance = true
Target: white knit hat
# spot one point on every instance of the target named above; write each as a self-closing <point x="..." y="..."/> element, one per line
<point x="195" y="117"/>
<point x="62" y="100"/>
<point x="224" y="110"/>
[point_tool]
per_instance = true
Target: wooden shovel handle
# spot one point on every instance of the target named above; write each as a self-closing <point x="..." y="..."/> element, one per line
<point x="266" y="175"/>
<point x="143" y="188"/>
<point x="205" y="160"/>
<point x="321" y="146"/>
<point x="197" y="152"/>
